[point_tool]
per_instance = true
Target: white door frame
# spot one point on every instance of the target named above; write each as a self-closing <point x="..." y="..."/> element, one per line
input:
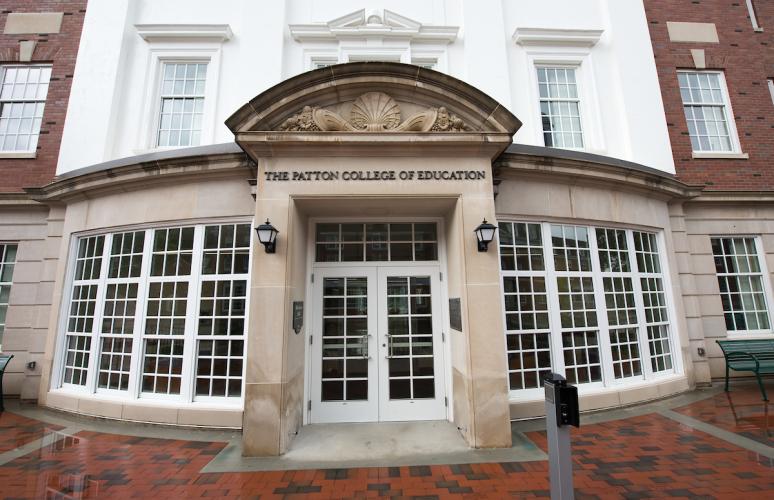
<point x="443" y="295"/>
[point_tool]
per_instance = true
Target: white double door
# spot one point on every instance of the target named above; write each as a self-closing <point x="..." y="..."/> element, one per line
<point x="377" y="345"/>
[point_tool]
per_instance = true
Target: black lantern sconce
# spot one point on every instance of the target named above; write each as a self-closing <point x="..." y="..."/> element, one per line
<point x="267" y="235"/>
<point x="485" y="234"/>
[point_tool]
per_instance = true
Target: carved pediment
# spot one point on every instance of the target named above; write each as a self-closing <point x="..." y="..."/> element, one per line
<point x="373" y="112"/>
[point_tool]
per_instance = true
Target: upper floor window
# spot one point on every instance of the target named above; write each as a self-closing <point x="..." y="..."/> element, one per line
<point x="706" y="106"/>
<point x="560" y="107"/>
<point x="22" y="99"/>
<point x="741" y="281"/>
<point x="181" y="104"/>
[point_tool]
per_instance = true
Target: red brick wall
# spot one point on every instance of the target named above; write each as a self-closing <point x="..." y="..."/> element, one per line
<point x="747" y="59"/>
<point x="59" y="49"/>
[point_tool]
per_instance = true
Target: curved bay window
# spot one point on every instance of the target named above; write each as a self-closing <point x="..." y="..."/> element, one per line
<point x="588" y="302"/>
<point x="159" y="313"/>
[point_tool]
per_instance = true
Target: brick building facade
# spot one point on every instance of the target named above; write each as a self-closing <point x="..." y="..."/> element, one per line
<point x="50" y="36"/>
<point x="719" y="35"/>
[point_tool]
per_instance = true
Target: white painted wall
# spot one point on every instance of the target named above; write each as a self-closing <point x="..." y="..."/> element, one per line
<point x="113" y="87"/>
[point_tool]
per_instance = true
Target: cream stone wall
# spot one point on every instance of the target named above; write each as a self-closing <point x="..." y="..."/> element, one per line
<point x="478" y="359"/>
<point x="575" y="199"/>
<point x="35" y="229"/>
<point x="158" y="200"/>
<point x="703" y="305"/>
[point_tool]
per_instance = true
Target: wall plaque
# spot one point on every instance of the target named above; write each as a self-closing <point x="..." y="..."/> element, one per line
<point x="455" y="314"/>
<point x="298" y="315"/>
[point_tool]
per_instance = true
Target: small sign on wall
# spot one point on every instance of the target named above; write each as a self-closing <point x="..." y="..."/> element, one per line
<point x="455" y="314"/>
<point x="298" y="316"/>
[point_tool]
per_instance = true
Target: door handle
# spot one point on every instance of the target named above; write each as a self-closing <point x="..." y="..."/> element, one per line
<point x="364" y="341"/>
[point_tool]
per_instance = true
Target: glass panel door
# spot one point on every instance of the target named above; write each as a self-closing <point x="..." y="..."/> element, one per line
<point x="343" y="340"/>
<point x="411" y="371"/>
<point x="376" y="345"/>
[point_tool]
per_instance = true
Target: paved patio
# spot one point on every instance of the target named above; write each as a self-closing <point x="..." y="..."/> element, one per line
<point x="702" y="444"/>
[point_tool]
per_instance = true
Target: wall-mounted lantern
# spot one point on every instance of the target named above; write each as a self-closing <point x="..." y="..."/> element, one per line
<point x="267" y="235"/>
<point x="485" y="234"/>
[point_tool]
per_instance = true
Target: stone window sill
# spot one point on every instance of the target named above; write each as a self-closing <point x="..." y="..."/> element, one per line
<point x="12" y="154"/>
<point x="713" y="155"/>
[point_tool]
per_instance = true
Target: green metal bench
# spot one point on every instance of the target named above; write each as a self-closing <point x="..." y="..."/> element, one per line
<point x="4" y="359"/>
<point x="754" y="355"/>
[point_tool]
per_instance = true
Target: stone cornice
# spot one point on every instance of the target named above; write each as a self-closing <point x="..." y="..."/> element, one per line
<point x="605" y="175"/>
<point x="190" y="32"/>
<point x="145" y="174"/>
<point x="360" y="25"/>
<point x="556" y="36"/>
<point x="734" y="197"/>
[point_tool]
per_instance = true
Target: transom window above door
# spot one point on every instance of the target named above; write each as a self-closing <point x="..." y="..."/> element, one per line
<point x="376" y="242"/>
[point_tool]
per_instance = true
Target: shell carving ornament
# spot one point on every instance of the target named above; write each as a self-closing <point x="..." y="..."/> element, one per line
<point x="373" y="112"/>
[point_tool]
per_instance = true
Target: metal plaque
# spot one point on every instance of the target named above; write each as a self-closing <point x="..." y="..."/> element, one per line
<point x="298" y="315"/>
<point x="455" y="314"/>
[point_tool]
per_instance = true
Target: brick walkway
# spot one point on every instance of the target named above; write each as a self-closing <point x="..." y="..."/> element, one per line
<point x="648" y="456"/>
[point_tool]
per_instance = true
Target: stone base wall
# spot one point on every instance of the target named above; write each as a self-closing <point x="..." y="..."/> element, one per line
<point x="36" y="230"/>
<point x="704" y="309"/>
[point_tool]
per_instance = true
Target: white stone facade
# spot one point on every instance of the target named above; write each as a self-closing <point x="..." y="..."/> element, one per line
<point x="252" y="46"/>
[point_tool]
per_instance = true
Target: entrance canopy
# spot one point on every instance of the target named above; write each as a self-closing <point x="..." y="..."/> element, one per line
<point x="372" y="108"/>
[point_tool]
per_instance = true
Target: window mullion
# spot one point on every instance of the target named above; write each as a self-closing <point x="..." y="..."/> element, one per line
<point x="99" y="311"/>
<point x="554" y="316"/>
<point x="642" y="329"/>
<point x="606" y="357"/>
<point x="135" y="373"/>
<point x="192" y="313"/>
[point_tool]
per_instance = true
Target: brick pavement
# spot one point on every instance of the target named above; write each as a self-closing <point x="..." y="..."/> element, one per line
<point x="649" y="456"/>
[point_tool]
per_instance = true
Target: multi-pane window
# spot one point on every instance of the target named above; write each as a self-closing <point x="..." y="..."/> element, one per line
<point x="577" y="304"/>
<point x="22" y="98"/>
<point x="182" y="104"/>
<point x="560" y="107"/>
<point x="222" y="310"/>
<point x="148" y="294"/>
<point x="7" y="263"/>
<point x="741" y="282"/>
<point x="83" y="305"/>
<point x="618" y="287"/>
<point x="410" y="344"/>
<point x="583" y="301"/>
<point x="345" y="339"/>
<point x="706" y="111"/>
<point x="358" y="242"/>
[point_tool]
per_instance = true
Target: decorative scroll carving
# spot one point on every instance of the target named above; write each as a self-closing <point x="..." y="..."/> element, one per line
<point x="373" y="112"/>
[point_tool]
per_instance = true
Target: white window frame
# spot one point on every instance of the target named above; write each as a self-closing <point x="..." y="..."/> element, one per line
<point x="753" y="17"/>
<point x="3" y="252"/>
<point x="768" y="291"/>
<point x="770" y="82"/>
<point x="26" y="153"/>
<point x="134" y="394"/>
<point x="609" y="382"/>
<point x="158" y="56"/>
<point x="736" y="147"/>
<point x="579" y="59"/>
